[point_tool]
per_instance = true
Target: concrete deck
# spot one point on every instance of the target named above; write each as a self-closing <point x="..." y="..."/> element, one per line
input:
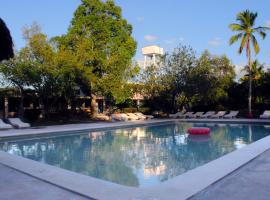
<point x="16" y="185"/>
<point x="252" y="181"/>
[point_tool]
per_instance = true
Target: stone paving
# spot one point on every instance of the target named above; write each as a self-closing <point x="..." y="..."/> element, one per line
<point x="16" y="185"/>
<point x="250" y="182"/>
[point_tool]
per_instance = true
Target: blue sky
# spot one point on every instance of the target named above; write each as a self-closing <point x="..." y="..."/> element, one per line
<point x="200" y="24"/>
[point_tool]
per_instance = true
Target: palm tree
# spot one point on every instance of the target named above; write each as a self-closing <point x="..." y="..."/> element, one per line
<point x="246" y="33"/>
<point x="6" y="44"/>
<point x="257" y="71"/>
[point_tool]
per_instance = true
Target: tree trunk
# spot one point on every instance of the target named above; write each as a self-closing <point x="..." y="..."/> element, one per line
<point x="5" y="108"/>
<point x="94" y="106"/>
<point x="250" y="87"/>
<point x="21" y="108"/>
<point x="42" y="110"/>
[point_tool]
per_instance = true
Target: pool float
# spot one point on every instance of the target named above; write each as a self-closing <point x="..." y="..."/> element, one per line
<point x="198" y="131"/>
<point x="199" y="138"/>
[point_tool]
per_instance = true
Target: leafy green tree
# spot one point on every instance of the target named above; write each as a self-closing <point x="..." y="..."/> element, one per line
<point x="176" y="68"/>
<point x="210" y="78"/>
<point x="50" y="72"/>
<point x="100" y="39"/>
<point x="6" y="50"/>
<point x="246" y="32"/>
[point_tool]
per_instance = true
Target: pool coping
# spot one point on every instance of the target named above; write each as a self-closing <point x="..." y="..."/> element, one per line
<point x="180" y="187"/>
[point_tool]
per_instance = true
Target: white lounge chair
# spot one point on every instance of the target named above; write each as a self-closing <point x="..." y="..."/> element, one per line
<point x="17" y="122"/>
<point x="3" y="125"/>
<point x="208" y="114"/>
<point x="177" y="115"/>
<point x="198" y="114"/>
<point x="231" y="115"/>
<point x="219" y="114"/>
<point x="265" y="115"/>
<point x="139" y="114"/>
<point x="132" y="116"/>
<point x="119" y="117"/>
<point x="188" y="115"/>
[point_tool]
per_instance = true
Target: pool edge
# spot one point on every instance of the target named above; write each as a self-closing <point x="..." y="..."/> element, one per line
<point x="178" y="187"/>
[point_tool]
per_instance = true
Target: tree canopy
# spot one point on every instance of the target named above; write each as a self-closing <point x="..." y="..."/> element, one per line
<point x="100" y="39"/>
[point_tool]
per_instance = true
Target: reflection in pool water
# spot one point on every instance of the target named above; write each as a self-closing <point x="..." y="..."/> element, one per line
<point x="137" y="156"/>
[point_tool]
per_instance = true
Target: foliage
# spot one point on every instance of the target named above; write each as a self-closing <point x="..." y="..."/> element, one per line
<point x="100" y="40"/>
<point x="6" y="50"/>
<point x="187" y="81"/>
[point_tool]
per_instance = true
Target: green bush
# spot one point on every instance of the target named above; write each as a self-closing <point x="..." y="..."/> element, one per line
<point x="145" y="110"/>
<point x="130" y="110"/>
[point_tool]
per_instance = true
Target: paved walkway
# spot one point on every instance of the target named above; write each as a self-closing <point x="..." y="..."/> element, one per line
<point x="250" y="182"/>
<point x="16" y="185"/>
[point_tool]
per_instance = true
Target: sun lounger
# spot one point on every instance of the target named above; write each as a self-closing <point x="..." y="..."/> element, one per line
<point x="3" y="125"/>
<point x="231" y="115"/>
<point x="188" y="115"/>
<point x="139" y="114"/>
<point x="119" y="117"/>
<point x="219" y="114"/>
<point x="177" y="115"/>
<point x="17" y="122"/>
<point x="198" y="114"/>
<point x="265" y="115"/>
<point x="132" y="116"/>
<point x="208" y="114"/>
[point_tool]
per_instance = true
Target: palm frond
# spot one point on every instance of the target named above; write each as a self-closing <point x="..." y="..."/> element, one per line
<point x="235" y="38"/>
<point x="262" y="31"/>
<point x="243" y="43"/>
<point x="236" y="27"/>
<point x="247" y="18"/>
<point x="255" y="44"/>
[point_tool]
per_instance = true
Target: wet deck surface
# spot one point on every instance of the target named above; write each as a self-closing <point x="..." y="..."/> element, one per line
<point x="250" y="182"/>
<point x="16" y="185"/>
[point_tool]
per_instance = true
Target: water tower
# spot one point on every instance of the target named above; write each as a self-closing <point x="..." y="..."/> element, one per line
<point x="152" y="55"/>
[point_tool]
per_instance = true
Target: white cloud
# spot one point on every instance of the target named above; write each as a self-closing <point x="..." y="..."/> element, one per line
<point x="140" y="19"/>
<point x="267" y="24"/>
<point x="150" y="38"/>
<point x="239" y="70"/>
<point x="170" y="41"/>
<point x="174" y="40"/>
<point x="215" y="42"/>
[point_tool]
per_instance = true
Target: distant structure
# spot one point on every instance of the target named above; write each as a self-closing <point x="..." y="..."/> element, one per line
<point x="152" y="55"/>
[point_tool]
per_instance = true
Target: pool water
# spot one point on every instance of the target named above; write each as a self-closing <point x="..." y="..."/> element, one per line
<point x="140" y="156"/>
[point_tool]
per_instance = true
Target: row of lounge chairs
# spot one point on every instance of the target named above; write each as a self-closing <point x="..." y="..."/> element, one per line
<point x="13" y="123"/>
<point x="130" y="116"/>
<point x="265" y="115"/>
<point x="202" y="115"/>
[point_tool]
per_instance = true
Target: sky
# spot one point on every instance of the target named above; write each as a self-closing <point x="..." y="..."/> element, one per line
<point x="202" y="24"/>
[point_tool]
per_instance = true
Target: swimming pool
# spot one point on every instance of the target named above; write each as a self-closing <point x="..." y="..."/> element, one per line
<point x="140" y="156"/>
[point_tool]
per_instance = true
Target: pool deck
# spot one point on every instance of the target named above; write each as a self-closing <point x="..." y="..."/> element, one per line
<point x="16" y="185"/>
<point x="252" y="181"/>
<point x="206" y="181"/>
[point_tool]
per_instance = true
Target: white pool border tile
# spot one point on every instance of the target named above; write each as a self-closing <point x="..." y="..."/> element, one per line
<point x="180" y="187"/>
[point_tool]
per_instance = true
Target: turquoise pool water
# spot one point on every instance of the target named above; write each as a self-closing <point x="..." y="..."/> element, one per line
<point x="140" y="156"/>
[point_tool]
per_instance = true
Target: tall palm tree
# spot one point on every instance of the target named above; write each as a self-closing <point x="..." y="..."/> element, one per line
<point x="6" y="44"/>
<point x="246" y="33"/>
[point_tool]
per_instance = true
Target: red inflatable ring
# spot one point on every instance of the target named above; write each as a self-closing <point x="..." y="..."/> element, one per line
<point x="199" y="131"/>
